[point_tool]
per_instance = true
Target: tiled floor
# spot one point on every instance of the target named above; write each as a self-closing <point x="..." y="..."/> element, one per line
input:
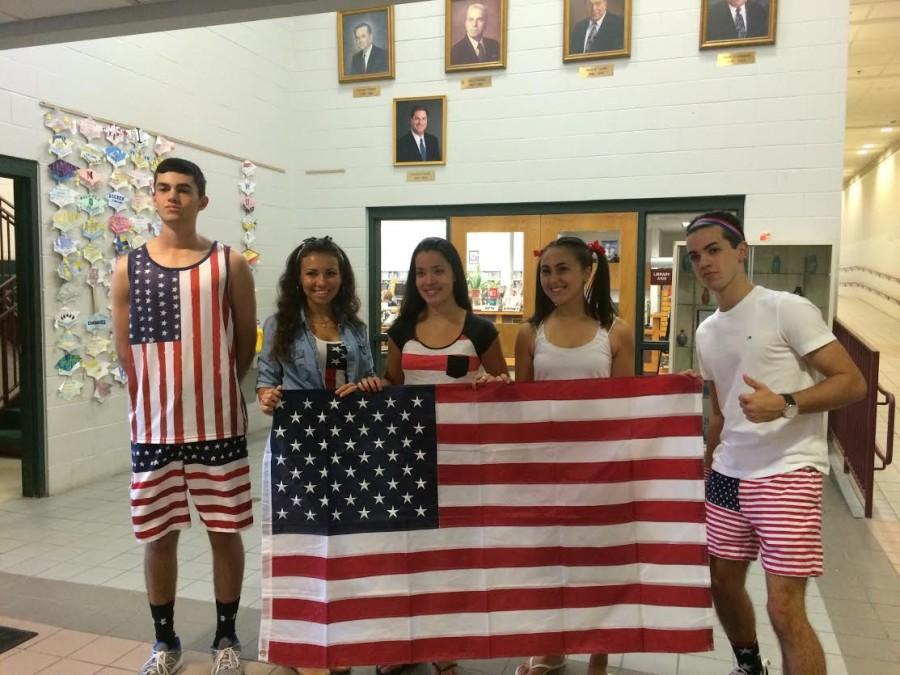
<point x="71" y="570"/>
<point x="10" y="478"/>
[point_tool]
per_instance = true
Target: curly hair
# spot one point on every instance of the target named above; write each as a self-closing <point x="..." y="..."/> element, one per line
<point x="292" y="299"/>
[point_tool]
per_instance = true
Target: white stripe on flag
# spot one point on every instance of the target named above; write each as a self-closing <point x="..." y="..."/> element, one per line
<point x="569" y="494"/>
<point x="576" y="451"/>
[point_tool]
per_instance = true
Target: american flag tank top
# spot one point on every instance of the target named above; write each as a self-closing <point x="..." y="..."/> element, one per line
<point x="182" y="380"/>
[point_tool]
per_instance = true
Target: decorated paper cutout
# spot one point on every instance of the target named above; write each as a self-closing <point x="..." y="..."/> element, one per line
<point x="70" y="267"/>
<point x="92" y="154"/>
<point x="96" y="368"/>
<point x="140" y="223"/>
<point x="155" y="162"/>
<point x="58" y="122"/>
<point x="247" y="186"/>
<point x="163" y="145"/>
<point x="248" y="203"/>
<point x="66" y="220"/>
<point x="248" y="168"/>
<point x="69" y="342"/>
<point x="60" y="145"/>
<point x="117" y="201"/>
<point x="248" y="238"/>
<point x="68" y="364"/>
<point x="89" y="177"/>
<point x="94" y="251"/>
<point x="98" y="276"/>
<point x="97" y="323"/>
<point x="61" y="170"/>
<point x="137" y="241"/>
<point x="251" y="256"/>
<point x="96" y="345"/>
<point x="66" y="317"/>
<point x="141" y="158"/>
<point x="70" y="389"/>
<point x="115" y="155"/>
<point x="121" y="245"/>
<point x="102" y="390"/>
<point x="92" y="229"/>
<point x="90" y="129"/>
<point x="119" y="223"/>
<point x="137" y="137"/>
<point x="67" y="293"/>
<point x="156" y="227"/>
<point x="62" y="195"/>
<point x="119" y="374"/>
<point x="141" y="179"/>
<point x="91" y="204"/>
<point x="64" y="244"/>
<point x="114" y="133"/>
<point x="118" y="179"/>
<point x="141" y="201"/>
<point x="248" y="223"/>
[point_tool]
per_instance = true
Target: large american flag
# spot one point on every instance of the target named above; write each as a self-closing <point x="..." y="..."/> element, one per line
<point x="182" y="383"/>
<point x="442" y="522"/>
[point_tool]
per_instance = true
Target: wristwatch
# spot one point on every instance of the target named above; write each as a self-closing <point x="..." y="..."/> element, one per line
<point x="790" y="409"/>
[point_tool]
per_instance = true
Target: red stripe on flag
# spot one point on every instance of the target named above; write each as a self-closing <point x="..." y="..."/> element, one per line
<point x="228" y="525"/>
<point x="217" y="477"/>
<point x="143" y="501"/>
<point x="153" y="515"/>
<point x="156" y="480"/>
<point x="600" y="641"/>
<point x="233" y="391"/>
<point x="198" y="353"/>
<point x="610" y="514"/>
<point x="163" y="393"/>
<point x="570" y="431"/>
<point x="580" y="473"/>
<point x="221" y="508"/>
<point x="209" y="492"/>
<point x="499" y="600"/>
<point x="428" y="362"/>
<point x="216" y="343"/>
<point x="145" y="395"/>
<point x="382" y="564"/>
<point x="132" y="391"/>
<point x="569" y="390"/>
<point x="178" y="393"/>
<point x="148" y="534"/>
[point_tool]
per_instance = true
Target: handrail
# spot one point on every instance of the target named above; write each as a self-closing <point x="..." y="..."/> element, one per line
<point x="887" y="456"/>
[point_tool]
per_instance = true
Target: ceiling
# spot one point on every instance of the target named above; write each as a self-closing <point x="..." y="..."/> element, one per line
<point x="873" y="77"/>
<point x="873" y="84"/>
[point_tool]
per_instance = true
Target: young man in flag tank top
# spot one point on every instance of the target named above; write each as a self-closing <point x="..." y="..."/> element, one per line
<point x="184" y="319"/>
<point x="762" y="353"/>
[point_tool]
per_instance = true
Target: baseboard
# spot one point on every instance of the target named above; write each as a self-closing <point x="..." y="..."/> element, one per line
<point x="845" y="484"/>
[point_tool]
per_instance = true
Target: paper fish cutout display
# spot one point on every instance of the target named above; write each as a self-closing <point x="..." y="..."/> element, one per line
<point x="91" y="154"/>
<point x="62" y="195"/>
<point x="64" y="244"/>
<point x="163" y="145"/>
<point x="66" y="317"/>
<point x="114" y="133"/>
<point x="119" y="223"/>
<point x="90" y="129"/>
<point x="117" y="201"/>
<point x="68" y="364"/>
<point x="61" y="170"/>
<point x="66" y="220"/>
<point x="58" y="122"/>
<point x="89" y="177"/>
<point x="70" y="389"/>
<point x="115" y="155"/>
<point x="91" y="204"/>
<point x="60" y="146"/>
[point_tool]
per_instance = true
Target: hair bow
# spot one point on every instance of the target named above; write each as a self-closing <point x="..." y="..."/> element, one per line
<point x="597" y="248"/>
<point x="537" y="253"/>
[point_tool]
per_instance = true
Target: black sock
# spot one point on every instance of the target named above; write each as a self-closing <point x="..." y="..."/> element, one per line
<point x="226" y="613"/>
<point x="747" y="655"/>
<point x="164" y="623"/>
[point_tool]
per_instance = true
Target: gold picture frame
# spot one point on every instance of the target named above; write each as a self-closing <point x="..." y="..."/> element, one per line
<point x="718" y="27"/>
<point x="486" y="50"/>
<point x="610" y="40"/>
<point x="434" y="134"/>
<point x="376" y="24"/>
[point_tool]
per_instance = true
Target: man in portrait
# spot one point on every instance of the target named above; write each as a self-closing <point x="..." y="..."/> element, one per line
<point x="736" y="19"/>
<point x="418" y="146"/>
<point x="599" y="31"/>
<point x="370" y="58"/>
<point x="475" y="47"/>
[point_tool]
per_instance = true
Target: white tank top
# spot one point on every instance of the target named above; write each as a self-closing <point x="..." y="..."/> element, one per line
<point x="590" y="360"/>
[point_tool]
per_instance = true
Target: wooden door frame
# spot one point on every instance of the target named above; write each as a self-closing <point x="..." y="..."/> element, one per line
<point x="30" y="311"/>
<point x="643" y="207"/>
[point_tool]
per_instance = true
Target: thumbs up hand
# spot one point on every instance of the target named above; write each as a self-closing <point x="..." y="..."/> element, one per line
<point x="761" y="404"/>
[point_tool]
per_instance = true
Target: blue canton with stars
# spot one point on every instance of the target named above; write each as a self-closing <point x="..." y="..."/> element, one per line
<point x="155" y="310"/>
<point x="723" y="491"/>
<point x="363" y="463"/>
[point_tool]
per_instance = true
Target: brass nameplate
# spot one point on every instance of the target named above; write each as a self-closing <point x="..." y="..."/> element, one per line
<point x="480" y="82"/>
<point x="366" y="92"/>
<point x="421" y="176"/>
<point x="606" y="70"/>
<point x="726" y="59"/>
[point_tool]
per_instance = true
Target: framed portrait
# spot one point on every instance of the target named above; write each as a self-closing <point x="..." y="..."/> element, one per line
<point x="596" y="29"/>
<point x="737" y="23"/>
<point x="366" y="44"/>
<point x="420" y="130"/>
<point x="474" y="35"/>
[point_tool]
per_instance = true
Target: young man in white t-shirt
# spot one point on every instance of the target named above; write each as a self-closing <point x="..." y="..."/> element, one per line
<point x="766" y="443"/>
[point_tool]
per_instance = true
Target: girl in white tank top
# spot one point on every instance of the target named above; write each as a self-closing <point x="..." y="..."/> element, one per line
<point x="573" y="335"/>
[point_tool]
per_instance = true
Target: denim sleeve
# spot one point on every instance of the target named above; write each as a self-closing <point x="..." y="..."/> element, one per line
<point x="270" y="373"/>
<point x="366" y="364"/>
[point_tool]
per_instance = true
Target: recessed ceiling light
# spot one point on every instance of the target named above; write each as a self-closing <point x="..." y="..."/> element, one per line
<point x="868" y="145"/>
<point x="862" y="152"/>
<point x="886" y="130"/>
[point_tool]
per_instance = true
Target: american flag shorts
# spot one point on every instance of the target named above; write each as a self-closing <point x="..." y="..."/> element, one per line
<point x="215" y="473"/>
<point x="777" y="517"/>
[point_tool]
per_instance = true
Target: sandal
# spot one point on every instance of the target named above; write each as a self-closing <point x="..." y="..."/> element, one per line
<point x="393" y="668"/>
<point x="447" y="667"/>
<point x="547" y="667"/>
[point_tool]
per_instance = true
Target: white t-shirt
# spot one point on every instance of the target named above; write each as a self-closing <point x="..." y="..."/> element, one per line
<point x="764" y="336"/>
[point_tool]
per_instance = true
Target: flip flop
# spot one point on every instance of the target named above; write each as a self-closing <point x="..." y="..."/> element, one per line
<point x="393" y="668"/>
<point x="547" y="667"/>
<point x="440" y="670"/>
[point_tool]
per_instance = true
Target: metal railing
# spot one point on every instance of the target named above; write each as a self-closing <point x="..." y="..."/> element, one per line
<point x="9" y="308"/>
<point x="854" y="427"/>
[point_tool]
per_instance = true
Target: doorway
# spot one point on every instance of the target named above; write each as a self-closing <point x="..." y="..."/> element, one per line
<point x="22" y="434"/>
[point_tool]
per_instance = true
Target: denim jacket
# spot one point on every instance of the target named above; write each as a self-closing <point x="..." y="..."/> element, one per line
<point x="302" y="371"/>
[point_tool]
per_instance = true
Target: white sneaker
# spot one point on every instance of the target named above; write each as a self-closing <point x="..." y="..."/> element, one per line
<point x="227" y="659"/>
<point x="164" y="660"/>
<point x="741" y="671"/>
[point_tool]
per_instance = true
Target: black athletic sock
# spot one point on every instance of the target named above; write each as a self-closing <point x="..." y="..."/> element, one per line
<point x="747" y="655"/>
<point x="226" y="613"/>
<point x="164" y="623"/>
